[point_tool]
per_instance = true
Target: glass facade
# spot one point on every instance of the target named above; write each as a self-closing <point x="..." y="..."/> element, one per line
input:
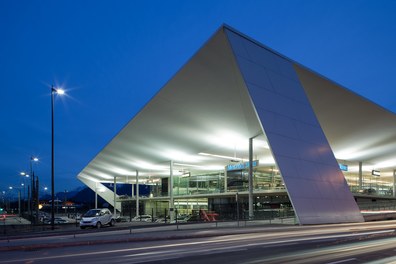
<point x="371" y="185"/>
<point x="191" y="184"/>
<point x="215" y="193"/>
<point x="201" y="194"/>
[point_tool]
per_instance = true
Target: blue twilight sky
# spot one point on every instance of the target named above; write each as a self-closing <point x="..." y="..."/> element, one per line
<point x="113" y="56"/>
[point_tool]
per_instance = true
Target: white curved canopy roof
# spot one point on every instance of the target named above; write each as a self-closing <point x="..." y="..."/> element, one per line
<point x="205" y="108"/>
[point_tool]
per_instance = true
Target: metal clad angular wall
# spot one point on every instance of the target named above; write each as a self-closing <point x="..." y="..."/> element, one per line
<point x="315" y="184"/>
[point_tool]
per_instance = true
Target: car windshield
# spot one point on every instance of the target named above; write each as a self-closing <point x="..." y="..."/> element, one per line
<point x="92" y="213"/>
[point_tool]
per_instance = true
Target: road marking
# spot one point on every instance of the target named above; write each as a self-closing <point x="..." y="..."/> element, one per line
<point x="214" y="241"/>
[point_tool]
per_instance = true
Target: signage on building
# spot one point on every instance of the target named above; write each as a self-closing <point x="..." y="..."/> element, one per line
<point x="343" y="167"/>
<point x="375" y="173"/>
<point x="241" y="166"/>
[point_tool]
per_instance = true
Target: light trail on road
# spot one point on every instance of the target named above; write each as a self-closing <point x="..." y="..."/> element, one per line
<point x="166" y="250"/>
<point x="328" y="253"/>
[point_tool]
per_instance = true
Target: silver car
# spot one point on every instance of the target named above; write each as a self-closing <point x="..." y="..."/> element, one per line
<point x="97" y="218"/>
<point x="144" y="218"/>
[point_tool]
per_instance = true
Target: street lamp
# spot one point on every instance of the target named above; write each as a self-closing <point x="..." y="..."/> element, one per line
<point x="19" y="198"/>
<point x="25" y="175"/>
<point x="3" y="204"/>
<point x="53" y="92"/>
<point x="34" y="191"/>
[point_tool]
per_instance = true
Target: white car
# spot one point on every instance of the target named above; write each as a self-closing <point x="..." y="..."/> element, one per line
<point x="143" y="218"/>
<point x="57" y="220"/>
<point x="97" y="218"/>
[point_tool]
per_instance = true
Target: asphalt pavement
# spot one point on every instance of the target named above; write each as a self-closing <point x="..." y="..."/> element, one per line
<point x="133" y="232"/>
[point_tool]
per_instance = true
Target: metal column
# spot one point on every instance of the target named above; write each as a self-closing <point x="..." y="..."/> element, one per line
<point x="171" y="205"/>
<point x="115" y="196"/>
<point x="225" y="180"/>
<point x="137" y="193"/>
<point x="251" y="214"/>
<point x="394" y="183"/>
<point x="360" y="175"/>
<point x="96" y="195"/>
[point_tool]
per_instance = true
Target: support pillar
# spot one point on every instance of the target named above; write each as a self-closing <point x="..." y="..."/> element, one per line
<point x="170" y="191"/>
<point x="360" y="175"/>
<point x="394" y="183"/>
<point x="96" y="195"/>
<point x="137" y="193"/>
<point x="225" y="180"/>
<point x="251" y="214"/>
<point x="115" y="196"/>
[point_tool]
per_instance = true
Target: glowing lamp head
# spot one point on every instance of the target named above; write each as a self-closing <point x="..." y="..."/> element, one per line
<point x="60" y="91"/>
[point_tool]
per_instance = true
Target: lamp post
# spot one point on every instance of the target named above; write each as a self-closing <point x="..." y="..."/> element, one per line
<point x="24" y="196"/>
<point x="53" y="92"/>
<point x="33" y="191"/>
<point x="19" y="198"/>
<point x="3" y="200"/>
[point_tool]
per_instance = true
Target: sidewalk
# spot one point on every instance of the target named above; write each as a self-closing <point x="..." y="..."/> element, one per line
<point x="125" y="233"/>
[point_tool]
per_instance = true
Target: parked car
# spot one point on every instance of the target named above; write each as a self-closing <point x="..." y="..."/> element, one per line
<point x="57" y="220"/>
<point x="179" y="218"/>
<point x="121" y="219"/>
<point x="162" y="220"/>
<point x="97" y="218"/>
<point x="143" y="218"/>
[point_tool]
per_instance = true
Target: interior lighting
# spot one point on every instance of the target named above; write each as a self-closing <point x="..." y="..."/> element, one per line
<point x="186" y="165"/>
<point x="220" y="156"/>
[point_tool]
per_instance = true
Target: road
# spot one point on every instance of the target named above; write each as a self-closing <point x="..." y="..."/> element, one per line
<point x="348" y="243"/>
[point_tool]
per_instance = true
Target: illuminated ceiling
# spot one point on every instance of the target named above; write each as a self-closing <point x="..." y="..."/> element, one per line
<point x="357" y="129"/>
<point x="206" y="108"/>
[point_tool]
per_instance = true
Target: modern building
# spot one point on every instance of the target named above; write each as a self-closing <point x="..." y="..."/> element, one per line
<point x="242" y="128"/>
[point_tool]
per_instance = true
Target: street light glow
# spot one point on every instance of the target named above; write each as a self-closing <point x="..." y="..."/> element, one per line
<point x="60" y="91"/>
<point x="35" y="159"/>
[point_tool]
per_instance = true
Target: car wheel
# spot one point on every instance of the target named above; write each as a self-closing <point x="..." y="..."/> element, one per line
<point x="112" y="222"/>
<point x="98" y="225"/>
